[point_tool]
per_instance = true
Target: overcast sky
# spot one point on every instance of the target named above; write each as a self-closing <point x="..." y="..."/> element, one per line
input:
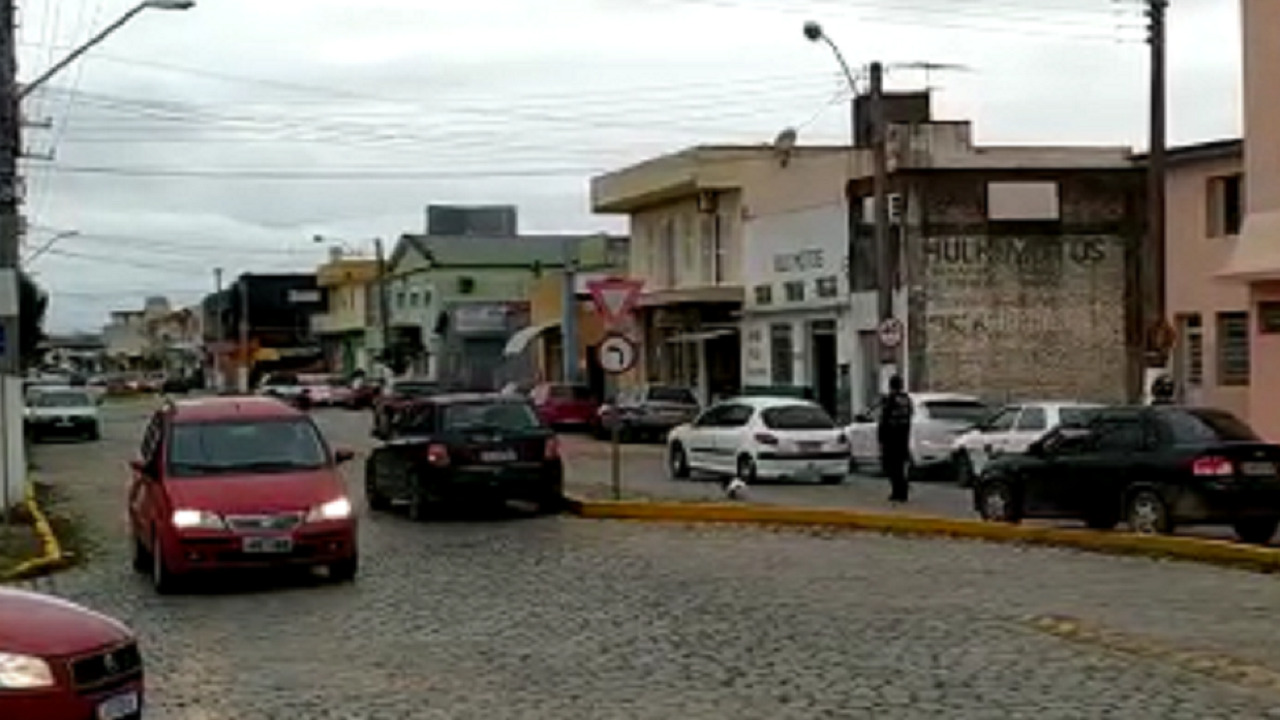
<point x="231" y="134"/>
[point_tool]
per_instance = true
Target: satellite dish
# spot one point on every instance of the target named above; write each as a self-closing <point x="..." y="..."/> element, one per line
<point x="784" y="144"/>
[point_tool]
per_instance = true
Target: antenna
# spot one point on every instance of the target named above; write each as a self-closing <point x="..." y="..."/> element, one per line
<point x="929" y="68"/>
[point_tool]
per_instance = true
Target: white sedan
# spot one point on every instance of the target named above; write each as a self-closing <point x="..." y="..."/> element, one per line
<point x="936" y="421"/>
<point x="754" y="438"/>
<point x="1011" y="430"/>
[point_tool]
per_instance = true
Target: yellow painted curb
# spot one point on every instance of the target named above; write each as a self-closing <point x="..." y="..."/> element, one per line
<point x="51" y="550"/>
<point x="1218" y="552"/>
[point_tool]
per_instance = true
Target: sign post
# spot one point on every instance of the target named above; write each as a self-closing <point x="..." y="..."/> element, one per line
<point x="615" y="300"/>
<point x="891" y="333"/>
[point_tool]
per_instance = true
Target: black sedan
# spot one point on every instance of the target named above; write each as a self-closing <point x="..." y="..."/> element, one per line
<point x="1152" y="467"/>
<point x="465" y="448"/>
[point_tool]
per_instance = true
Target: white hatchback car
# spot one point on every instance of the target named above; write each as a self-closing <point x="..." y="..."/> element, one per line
<point x="936" y="421"/>
<point x="761" y="438"/>
<point x="1011" y="430"/>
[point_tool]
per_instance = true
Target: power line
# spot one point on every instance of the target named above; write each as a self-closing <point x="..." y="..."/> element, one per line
<point x="492" y="173"/>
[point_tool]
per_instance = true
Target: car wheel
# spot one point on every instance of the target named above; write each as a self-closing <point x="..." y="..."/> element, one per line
<point x="141" y="560"/>
<point x="964" y="469"/>
<point x="164" y="581"/>
<point x="1256" y="531"/>
<point x="997" y="503"/>
<point x="1147" y="514"/>
<point x="345" y="570"/>
<point x="746" y="469"/>
<point x="678" y="462"/>
<point x="376" y="500"/>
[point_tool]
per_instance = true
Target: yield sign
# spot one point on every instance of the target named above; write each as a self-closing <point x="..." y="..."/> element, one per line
<point x="615" y="297"/>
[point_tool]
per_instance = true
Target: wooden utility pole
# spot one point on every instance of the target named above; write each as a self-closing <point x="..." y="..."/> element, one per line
<point x="889" y="355"/>
<point x="10" y="194"/>
<point x="1154" y="322"/>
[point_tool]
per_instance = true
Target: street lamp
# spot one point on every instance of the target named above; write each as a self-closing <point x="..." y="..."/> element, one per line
<point x="141" y="7"/>
<point x="814" y="32"/>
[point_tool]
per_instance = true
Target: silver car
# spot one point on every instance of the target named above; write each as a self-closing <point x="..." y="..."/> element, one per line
<point x="937" y="420"/>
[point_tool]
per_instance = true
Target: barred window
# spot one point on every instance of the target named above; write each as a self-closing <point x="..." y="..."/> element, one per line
<point x="828" y="287"/>
<point x="764" y="294"/>
<point x="794" y="291"/>
<point x="1233" y="348"/>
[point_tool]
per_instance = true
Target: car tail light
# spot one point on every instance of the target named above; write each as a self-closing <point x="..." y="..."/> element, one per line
<point x="552" y="450"/>
<point x="438" y="454"/>
<point x="766" y="438"/>
<point x="1212" y="466"/>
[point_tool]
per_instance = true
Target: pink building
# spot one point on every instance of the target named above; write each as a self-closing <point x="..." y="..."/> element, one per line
<point x="1254" y="261"/>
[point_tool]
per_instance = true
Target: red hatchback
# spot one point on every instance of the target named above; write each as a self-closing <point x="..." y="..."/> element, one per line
<point x="563" y="405"/>
<point x="238" y="483"/>
<point x="59" y="661"/>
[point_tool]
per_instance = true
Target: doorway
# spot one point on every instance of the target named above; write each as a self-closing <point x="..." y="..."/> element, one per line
<point x="823" y="363"/>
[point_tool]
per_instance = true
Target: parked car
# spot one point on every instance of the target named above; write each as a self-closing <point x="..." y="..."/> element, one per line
<point x="230" y="483"/>
<point x="649" y="411"/>
<point x="563" y="405"/>
<point x="761" y="437"/>
<point x="398" y="395"/>
<point x="466" y="447"/>
<point x="324" y="390"/>
<point x="938" y="419"/>
<point x="1152" y="467"/>
<point x="61" y="661"/>
<point x="282" y="385"/>
<point x="62" y="412"/>
<point x="1012" y="429"/>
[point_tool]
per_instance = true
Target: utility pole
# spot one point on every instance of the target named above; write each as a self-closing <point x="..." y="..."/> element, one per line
<point x="219" y="381"/>
<point x="889" y="360"/>
<point x="569" y="313"/>
<point x="384" y="309"/>
<point x="1155" y="336"/>
<point x="12" y="455"/>
<point x="245" y="361"/>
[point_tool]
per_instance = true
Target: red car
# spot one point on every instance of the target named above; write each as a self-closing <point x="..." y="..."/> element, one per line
<point x="231" y="483"/>
<point x="563" y="405"/>
<point x="59" y="661"/>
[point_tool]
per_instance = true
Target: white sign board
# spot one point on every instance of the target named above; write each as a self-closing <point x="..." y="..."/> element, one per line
<point x="617" y="354"/>
<point x="891" y="332"/>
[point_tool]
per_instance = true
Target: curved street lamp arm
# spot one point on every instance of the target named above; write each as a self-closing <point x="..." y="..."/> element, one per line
<point x="27" y="88"/>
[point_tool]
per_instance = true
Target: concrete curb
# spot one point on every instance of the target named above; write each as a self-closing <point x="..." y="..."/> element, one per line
<point x="1216" y="552"/>
<point x="50" y="558"/>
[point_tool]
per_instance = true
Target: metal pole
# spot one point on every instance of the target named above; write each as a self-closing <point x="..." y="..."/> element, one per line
<point x="569" y="314"/>
<point x="245" y="363"/>
<point x="1153" y="269"/>
<point x="384" y="309"/>
<point x="220" y="382"/>
<point x="884" y="260"/>
<point x="10" y="246"/>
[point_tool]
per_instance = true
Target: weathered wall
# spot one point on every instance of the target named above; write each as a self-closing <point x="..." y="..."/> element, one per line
<point x="1025" y="309"/>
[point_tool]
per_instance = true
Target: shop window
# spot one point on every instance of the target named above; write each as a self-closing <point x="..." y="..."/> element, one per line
<point x="1233" y="348"/>
<point x="764" y="294"/>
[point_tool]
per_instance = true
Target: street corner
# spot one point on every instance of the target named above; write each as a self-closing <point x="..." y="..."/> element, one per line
<point x="30" y="546"/>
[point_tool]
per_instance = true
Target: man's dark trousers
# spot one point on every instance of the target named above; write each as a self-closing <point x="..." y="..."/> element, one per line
<point x="894" y="455"/>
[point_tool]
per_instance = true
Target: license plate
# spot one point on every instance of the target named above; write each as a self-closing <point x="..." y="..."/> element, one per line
<point x="120" y="706"/>
<point x="1258" y="468"/>
<point x="497" y="456"/>
<point x="267" y="544"/>
<point x="810" y="446"/>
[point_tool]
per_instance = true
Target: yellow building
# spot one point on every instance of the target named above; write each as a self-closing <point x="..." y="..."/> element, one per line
<point x="348" y="329"/>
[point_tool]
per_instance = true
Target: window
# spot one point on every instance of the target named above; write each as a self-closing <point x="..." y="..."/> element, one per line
<point x="828" y="287"/>
<point x="683" y="396"/>
<point x="1189" y="361"/>
<point x="200" y="449"/>
<point x="1225" y="209"/>
<point x="413" y="299"/>
<point x="1119" y="435"/>
<point x="781" y="354"/>
<point x="400" y="296"/>
<point x="1075" y="416"/>
<point x="62" y="400"/>
<point x="961" y="411"/>
<point x="1003" y="420"/>
<point x="736" y="416"/>
<point x="1032" y="419"/>
<point x="1233" y="348"/>
<point x="797" y="417"/>
<point x="764" y="294"/>
<point x="794" y="291"/>
<point x="489" y="416"/>
<point x="1200" y="426"/>
<point x="570" y="392"/>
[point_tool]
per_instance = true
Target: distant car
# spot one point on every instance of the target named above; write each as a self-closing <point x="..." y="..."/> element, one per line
<point x="466" y="447"/>
<point x="62" y="412"/>
<point x="61" y="661"/>
<point x="283" y="385"/>
<point x="1012" y="429"/>
<point x="231" y="483"/>
<point x="324" y="390"/>
<point x="649" y="411"/>
<point x="937" y="420"/>
<point x="398" y="395"/>
<point x="1152" y="467"/>
<point x="364" y="393"/>
<point x="562" y="405"/>
<point x="761" y="437"/>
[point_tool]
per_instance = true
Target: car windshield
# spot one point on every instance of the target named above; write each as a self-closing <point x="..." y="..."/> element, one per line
<point x="48" y="399"/>
<point x="1208" y="426"/>
<point x="416" y="389"/>
<point x="797" y="417"/>
<point x="959" y="411"/>
<point x="684" y="396"/>
<point x="281" y="380"/>
<point x="489" y="416"/>
<point x="1075" y="416"/>
<point x="570" y="392"/>
<point x="260" y="446"/>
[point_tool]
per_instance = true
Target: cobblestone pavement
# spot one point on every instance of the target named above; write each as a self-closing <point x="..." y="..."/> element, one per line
<point x="565" y="618"/>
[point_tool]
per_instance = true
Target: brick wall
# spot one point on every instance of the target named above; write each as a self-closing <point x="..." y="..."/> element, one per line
<point x="1023" y="309"/>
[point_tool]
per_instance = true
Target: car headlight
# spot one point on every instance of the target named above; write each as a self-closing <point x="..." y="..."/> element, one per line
<point x="23" y="672"/>
<point x="339" y="509"/>
<point x="191" y="519"/>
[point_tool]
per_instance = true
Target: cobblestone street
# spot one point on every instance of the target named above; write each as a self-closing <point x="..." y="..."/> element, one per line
<point x="567" y="618"/>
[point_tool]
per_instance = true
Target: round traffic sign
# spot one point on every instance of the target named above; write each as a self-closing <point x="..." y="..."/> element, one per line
<point x="891" y="332"/>
<point x="617" y="354"/>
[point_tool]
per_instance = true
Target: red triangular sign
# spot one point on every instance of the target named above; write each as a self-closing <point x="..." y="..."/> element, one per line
<point x="615" y="297"/>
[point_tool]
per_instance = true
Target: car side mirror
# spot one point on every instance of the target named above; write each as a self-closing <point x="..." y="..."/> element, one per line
<point x="343" y="455"/>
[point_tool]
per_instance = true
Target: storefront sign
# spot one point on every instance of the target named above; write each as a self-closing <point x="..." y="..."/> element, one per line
<point x="480" y="318"/>
<point x="798" y="262"/>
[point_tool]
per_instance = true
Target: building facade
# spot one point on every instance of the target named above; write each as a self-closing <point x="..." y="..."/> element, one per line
<point x="347" y="329"/>
<point x="126" y="335"/>
<point x="262" y="324"/>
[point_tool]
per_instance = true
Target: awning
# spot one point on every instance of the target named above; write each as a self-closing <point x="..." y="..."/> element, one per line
<point x="700" y="336"/>
<point x="520" y="341"/>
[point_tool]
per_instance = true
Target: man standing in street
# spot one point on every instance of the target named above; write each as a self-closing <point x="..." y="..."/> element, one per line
<point x="894" y="431"/>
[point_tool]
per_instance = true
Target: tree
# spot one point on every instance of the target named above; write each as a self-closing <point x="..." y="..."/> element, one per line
<point x="32" y="305"/>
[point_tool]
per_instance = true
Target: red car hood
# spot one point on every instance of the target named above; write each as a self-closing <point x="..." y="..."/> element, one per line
<point x="45" y="626"/>
<point x="250" y="494"/>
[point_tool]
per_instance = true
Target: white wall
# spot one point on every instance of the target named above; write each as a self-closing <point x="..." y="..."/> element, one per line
<point x="801" y="245"/>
